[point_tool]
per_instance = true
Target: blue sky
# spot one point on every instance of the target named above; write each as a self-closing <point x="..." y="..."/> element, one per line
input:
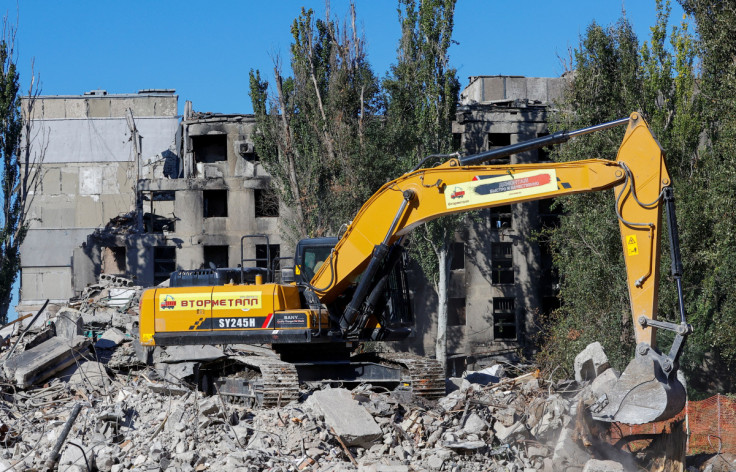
<point x="204" y="50"/>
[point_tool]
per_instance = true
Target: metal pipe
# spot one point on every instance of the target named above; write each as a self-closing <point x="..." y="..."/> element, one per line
<point x="54" y="456"/>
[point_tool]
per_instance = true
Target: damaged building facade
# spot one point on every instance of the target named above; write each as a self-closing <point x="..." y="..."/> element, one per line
<point x="130" y="188"/>
<point x="501" y="279"/>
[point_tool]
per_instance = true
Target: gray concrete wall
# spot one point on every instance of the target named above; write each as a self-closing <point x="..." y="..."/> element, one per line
<point x="486" y="89"/>
<point x="88" y="178"/>
<point x="104" y="139"/>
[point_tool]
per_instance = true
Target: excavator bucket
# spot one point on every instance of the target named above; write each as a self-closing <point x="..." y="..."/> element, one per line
<point x="647" y="391"/>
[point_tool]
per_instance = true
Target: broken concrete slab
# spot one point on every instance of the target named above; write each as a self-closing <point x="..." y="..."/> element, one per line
<point x="91" y="375"/>
<point x="474" y="424"/>
<point x="76" y="454"/>
<point x="176" y="373"/>
<point x="173" y="354"/>
<point x="350" y="421"/>
<point x="595" y="465"/>
<point x="456" y="383"/>
<point x="590" y="362"/>
<point x="122" y="320"/>
<point x="45" y="360"/>
<point x="504" y="433"/>
<point x="486" y="376"/>
<point x="69" y="323"/>
<point x="604" y="382"/>
<point x="99" y="317"/>
<point x="568" y="452"/>
<point x="111" y="338"/>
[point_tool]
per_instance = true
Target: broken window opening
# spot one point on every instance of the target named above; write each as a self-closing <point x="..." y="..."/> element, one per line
<point x="549" y="213"/>
<point x="163" y="196"/>
<point x="456" y="312"/>
<point x="164" y="263"/>
<point x="215" y="257"/>
<point x="154" y="220"/>
<point x="210" y="148"/>
<point x="497" y="140"/>
<point x="158" y="224"/>
<point x="458" y="256"/>
<point x="501" y="217"/>
<point x="543" y="152"/>
<point x="502" y="267"/>
<point x="113" y="260"/>
<point x="215" y="203"/>
<point x="504" y="318"/>
<point x="457" y="141"/>
<point x="550" y="275"/>
<point x="267" y="203"/>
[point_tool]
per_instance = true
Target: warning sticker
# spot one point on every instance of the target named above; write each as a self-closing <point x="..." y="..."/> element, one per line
<point x="632" y="247"/>
<point x="499" y="188"/>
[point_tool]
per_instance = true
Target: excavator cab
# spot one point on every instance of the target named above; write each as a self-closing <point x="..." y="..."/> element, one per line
<point x="309" y="256"/>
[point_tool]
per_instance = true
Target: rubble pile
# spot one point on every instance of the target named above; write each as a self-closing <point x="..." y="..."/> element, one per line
<point x="74" y="404"/>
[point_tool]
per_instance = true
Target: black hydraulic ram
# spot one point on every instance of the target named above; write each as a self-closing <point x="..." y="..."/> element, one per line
<point x="532" y="144"/>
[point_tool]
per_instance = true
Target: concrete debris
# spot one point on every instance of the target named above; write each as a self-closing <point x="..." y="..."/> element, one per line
<point x="110" y="339"/>
<point x="594" y="465"/>
<point x="160" y="416"/>
<point x="346" y="417"/>
<point x="590" y="363"/>
<point x="43" y="361"/>
<point x="68" y="323"/>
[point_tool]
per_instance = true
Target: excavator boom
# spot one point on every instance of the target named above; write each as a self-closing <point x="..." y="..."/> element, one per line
<point x="648" y="389"/>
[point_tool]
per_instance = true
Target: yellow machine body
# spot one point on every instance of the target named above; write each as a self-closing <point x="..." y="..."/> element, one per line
<point x="192" y="311"/>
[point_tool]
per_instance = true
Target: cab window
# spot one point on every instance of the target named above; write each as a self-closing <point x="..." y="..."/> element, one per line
<point x="314" y="257"/>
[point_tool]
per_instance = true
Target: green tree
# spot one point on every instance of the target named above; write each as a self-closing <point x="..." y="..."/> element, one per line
<point x="318" y="135"/>
<point x="711" y="228"/>
<point x="423" y="92"/>
<point x="19" y="164"/>
<point x="612" y="77"/>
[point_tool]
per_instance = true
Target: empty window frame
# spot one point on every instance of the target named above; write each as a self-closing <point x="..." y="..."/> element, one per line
<point x="210" y="148"/>
<point x="215" y="203"/>
<point x="160" y="217"/>
<point x="458" y="256"/>
<point x="502" y="266"/>
<point x="456" y="312"/>
<point x="457" y="141"/>
<point x="215" y="257"/>
<point x="501" y="217"/>
<point x="267" y="203"/>
<point x="164" y="263"/>
<point x="113" y="260"/>
<point x="496" y="140"/>
<point x="504" y="318"/>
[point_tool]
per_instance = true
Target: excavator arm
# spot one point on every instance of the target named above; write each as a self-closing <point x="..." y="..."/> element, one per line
<point x="640" y="182"/>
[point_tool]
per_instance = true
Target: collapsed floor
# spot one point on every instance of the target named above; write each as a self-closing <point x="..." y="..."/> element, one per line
<point x="73" y="404"/>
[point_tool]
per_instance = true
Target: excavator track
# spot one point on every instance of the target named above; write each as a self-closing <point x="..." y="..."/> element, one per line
<point x="277" y="384"/>
<point x="427" y="376"/>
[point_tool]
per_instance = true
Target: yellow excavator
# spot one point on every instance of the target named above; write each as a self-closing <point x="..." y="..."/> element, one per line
<point x="352" y="289"/>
